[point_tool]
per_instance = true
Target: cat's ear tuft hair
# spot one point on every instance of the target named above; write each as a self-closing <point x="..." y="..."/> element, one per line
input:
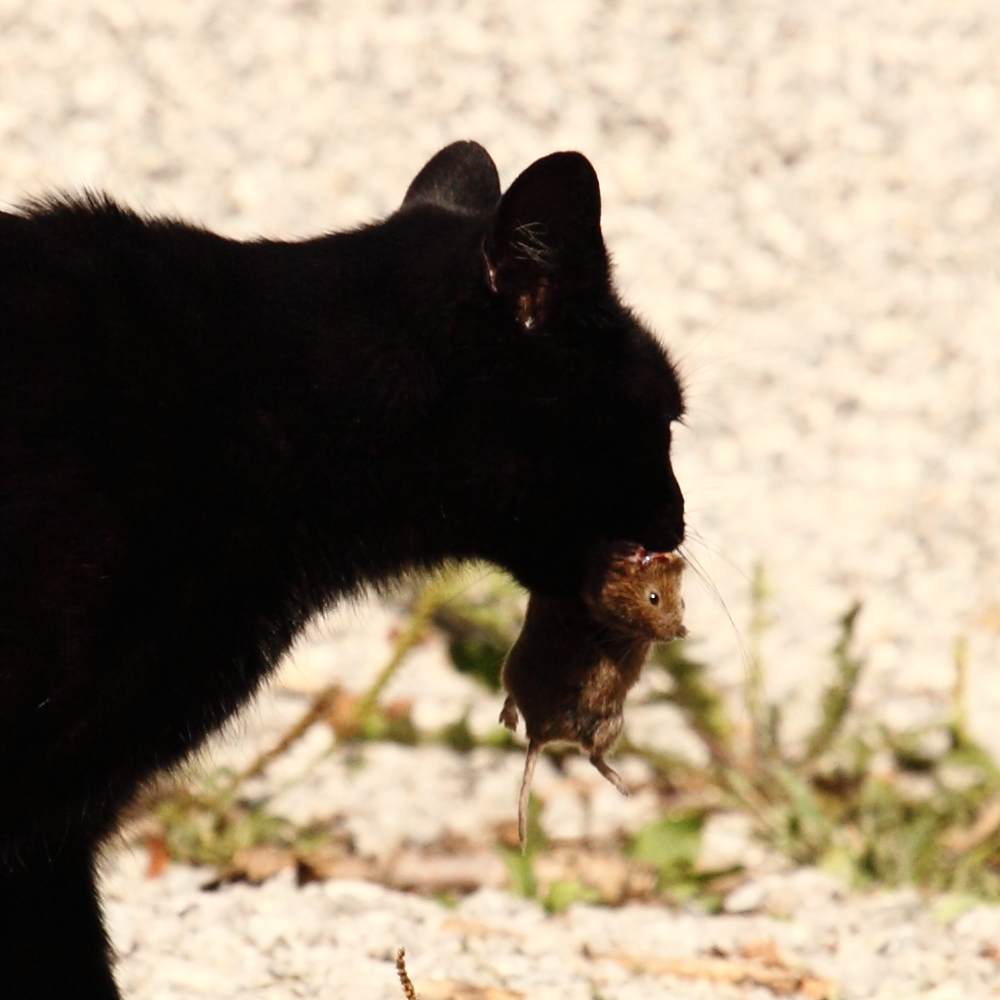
<point x="545" y="244"/>
<point x="461" y="177"/>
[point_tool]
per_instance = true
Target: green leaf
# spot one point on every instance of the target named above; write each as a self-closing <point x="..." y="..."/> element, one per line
<point x="671" y="845"/>
<point x="481" y="616"/>
<point x="521" y="870"/>
<point x="458" y="736"/>
<point x="950" y="907"/>
<point x="839" y="861"/>
<point x="479" y="659"/>
<point x="564" y="893"/>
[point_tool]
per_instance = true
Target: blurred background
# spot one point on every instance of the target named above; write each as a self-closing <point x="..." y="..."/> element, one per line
<point x="802" y="199"/>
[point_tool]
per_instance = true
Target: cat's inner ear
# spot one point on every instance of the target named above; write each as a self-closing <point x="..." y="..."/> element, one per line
<point x="545" y="245"/>
<point x="461" y="177"/>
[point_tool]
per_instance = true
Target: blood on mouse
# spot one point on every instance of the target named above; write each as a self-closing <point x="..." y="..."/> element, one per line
<point x="577" y="658"/>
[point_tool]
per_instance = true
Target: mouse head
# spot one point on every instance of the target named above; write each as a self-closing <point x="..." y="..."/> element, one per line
<point x="637" y="592"/>
<point x="555" y="403"/>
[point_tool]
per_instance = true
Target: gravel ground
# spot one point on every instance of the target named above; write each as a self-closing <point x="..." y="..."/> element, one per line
<point x="802" y="197"/>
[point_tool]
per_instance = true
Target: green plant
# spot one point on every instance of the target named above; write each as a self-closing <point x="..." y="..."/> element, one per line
<point x="564" y="893"/>
<point x="204" y="822"/>
<point x="878" y="807"/>
<point x="836" y="700"/>
<point x="703" y="707"/>
<point x="520" y="862"/>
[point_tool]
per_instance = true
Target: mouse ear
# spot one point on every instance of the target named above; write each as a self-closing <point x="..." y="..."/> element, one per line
<point x="545" y="245"/>
<point x="461" y="177"/>
<point x="667" y="557"/>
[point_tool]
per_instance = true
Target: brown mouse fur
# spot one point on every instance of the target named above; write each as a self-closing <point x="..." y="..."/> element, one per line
<point x="577" y="658"/>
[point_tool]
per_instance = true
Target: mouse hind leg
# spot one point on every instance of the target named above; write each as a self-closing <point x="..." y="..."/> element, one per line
<point x="602" y="735"/>
<point x="609" y="772"/>
<point x="52" y="940"/>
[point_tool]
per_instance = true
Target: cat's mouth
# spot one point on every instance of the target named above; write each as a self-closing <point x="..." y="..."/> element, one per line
<point x="640" y="554"/>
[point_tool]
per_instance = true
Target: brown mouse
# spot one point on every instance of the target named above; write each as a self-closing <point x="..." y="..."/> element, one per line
<point x="577" y="658"/>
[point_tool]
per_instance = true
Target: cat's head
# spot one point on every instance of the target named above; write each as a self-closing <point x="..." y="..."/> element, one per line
<point x="560" y="401"/>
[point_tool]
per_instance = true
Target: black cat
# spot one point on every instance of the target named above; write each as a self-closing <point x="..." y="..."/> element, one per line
<point x="203" y="442"/>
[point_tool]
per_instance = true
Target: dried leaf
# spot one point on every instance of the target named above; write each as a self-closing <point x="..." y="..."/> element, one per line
<point x="159" y="856"/>
<point x="433" y="873"/>
<point x="258" y="864"/>
<point x="778" y="978"/>
<point x="987" y="823"/>
<point x="447" y="989"/>
<point x="330" y="862"/>
<point x="474" y="929"/>
<point x="764" y="951"/>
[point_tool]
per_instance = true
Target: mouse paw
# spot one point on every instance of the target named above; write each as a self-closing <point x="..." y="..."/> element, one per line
<point x="508" y="714"/>
<point x="610" y="773"/>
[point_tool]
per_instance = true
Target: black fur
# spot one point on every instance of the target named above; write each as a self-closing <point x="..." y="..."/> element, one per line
<point x="203" y="442"/>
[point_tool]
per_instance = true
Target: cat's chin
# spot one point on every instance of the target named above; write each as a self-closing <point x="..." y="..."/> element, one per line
<point x="639" y="553"/>
<point x="661" y="538"/>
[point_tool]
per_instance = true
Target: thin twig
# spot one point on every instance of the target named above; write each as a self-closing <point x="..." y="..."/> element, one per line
<point x="408" y="990"/>
<point x="428" y="599"/>
<point x="319" y="708"/>
<point x="836" y="701"/>
<point x="762" y="744"/>
<point x="434" y="591"/>
<point x="958" y="700"/>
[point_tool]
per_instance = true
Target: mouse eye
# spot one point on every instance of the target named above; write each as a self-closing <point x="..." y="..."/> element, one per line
<point x="654" y="598"/>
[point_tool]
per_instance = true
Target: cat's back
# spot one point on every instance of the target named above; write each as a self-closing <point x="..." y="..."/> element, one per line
<point x="83" y="282"/>
<point x="70" y="239"/>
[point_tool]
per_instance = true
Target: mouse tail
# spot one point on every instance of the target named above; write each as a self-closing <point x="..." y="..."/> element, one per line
<point x="609" y="772"/>
<point x="534" y="749"/>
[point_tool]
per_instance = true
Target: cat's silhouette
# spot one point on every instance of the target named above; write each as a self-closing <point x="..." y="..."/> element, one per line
<point x="204" y="441"/>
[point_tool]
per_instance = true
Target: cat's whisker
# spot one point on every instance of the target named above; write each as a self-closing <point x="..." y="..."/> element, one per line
<point x="714" y="591"/>
<point x="693" y="535"/>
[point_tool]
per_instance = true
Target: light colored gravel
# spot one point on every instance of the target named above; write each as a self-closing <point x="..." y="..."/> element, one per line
<point x="340" y="938"/>
<point x="802" y="197"/>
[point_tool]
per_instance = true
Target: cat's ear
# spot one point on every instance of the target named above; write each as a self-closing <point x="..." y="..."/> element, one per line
<point x="545" y="244"/>
<point x="461" y="177"/>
